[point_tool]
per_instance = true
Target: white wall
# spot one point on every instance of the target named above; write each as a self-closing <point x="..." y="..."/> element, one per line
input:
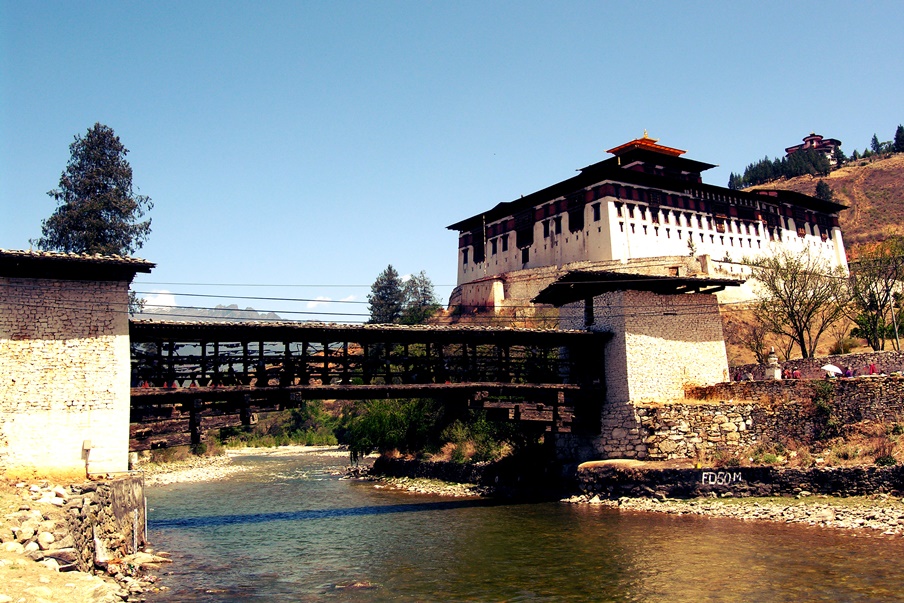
<point x="64" y="376"/>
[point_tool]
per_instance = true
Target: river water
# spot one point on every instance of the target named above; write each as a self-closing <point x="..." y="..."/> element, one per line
<point x="289" y="530"/>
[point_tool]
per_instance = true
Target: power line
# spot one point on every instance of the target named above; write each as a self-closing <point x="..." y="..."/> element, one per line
<point x="290" y="299"/>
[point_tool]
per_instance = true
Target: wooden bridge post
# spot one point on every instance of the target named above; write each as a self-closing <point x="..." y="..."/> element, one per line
<point x="194" y="422"/>
<point x="248" y="418"/>
<point x="202" y="378"/>
<point x="217" y="377"/>
<point x="304" y="377"/>
<point x="325" y="369"/>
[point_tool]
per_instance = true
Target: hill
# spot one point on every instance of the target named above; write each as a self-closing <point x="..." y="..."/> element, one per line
<point x="230" y="312"/>
<point x="873" y="189"/>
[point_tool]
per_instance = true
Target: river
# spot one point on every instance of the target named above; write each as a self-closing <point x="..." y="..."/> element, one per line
<point x="289" y="530"/>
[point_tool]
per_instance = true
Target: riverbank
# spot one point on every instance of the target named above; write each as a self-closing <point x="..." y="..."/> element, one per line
<point x="42" y="548"/>
<point x="211" y="468"/>
<point x="192" y="469"/>
<point x="877" y="514"/>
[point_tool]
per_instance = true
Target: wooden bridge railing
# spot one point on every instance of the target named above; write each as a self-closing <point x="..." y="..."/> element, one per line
<point x="188" y="377"/>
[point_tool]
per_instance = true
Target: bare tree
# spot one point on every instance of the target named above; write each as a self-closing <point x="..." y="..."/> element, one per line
<point x="800" y="295"/>
<point x="874" y="279"/>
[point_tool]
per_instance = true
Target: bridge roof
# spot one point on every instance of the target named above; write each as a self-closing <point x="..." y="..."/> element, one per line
<point x="579" y="285"/>
<point x="19" y="263"/>
<point x="149" y="330"/>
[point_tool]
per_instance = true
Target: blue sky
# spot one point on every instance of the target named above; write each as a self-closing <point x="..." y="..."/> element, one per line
<point x="306" y="144"/>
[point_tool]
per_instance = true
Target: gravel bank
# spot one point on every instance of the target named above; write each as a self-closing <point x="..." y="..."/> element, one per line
<point x="423" y="485"/>
<point x="193" y="469"/>
<point x="878" y="514"/>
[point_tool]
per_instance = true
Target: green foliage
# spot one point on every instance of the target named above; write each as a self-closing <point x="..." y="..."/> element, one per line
<point x="309" y="425"/>
<point x="874" y="144"/>
<point x="392" y="302"/>
<point x="98" y="211"/>
<point x="420" y="300"/>
<point x="408" y="425"/>
<point x="886" y="461"/>
<point x="799" y="163"/>
<point x="843" y="346"/>
<point x="824" y="191"/>
<point x="386" y="297"/>
<point x="898" y="144"/>
<point x="828" y="425"/>
<point x="477" y="439"/>
<point x="838" y="156"/>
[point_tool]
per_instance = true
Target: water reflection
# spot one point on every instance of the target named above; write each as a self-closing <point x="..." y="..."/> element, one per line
<point x="225" y="520"/>
<point x="289" y="531"/>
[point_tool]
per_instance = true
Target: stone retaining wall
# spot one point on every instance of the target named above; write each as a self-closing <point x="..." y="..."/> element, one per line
<point x="613" y="481"/>
<point x="735" y="415"/>
<point x="886" y="362"/>
<point x="85" y="525"/>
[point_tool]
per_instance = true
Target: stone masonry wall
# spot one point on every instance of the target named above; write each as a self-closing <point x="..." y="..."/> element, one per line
<point x="64" y="375"/>
<point x="83" y="525"/>
<point x="886" y="362"/>
<point x="614" y="481"/>
<point x="661" y="345"/>
<point x="732" y="416"/>
<point x="729" y="416"/>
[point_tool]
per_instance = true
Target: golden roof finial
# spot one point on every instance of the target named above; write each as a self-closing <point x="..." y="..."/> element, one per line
<point x="645" y="135"/>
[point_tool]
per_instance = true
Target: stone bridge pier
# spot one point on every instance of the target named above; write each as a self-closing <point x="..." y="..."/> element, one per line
<point x="666" y="337"/>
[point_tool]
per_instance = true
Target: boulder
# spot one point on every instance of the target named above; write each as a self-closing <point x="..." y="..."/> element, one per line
<point x="45" y="539"/>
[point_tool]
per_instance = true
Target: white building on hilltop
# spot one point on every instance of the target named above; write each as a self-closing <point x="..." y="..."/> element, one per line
<point x="647" y="201"/>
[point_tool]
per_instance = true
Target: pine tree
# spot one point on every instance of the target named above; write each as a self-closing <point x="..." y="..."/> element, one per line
<point x="875" y="145"/>
<point x="386" y="298"/>
<point x="838" y="156"/>
<point x="824" y="191"/>
<point x="899" y="139"/>
<point x="98" y="211"/>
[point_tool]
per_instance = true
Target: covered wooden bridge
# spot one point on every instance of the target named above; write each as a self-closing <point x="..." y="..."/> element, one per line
<point x="188" y="377"/>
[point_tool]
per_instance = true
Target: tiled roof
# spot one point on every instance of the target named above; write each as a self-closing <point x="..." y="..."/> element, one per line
<point x="81" y="258"/>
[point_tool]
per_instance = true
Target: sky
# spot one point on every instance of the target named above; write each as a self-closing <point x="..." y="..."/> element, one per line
<point x="294" y="150"/>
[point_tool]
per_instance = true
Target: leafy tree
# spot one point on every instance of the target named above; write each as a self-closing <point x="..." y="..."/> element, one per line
<point x="420" y="299"/>
<point x="799" y="296"/>
<point x="872" y="284"/>
<point x="899" y="139"/>
<point x="874" y="145"/>
<point x="386" y="298"/>
<point x="855" y="155"/>
<point x="98" y="210"/>
<point x="824" y="191"/>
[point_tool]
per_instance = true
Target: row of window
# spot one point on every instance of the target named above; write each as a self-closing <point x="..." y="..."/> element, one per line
<point x="722" y="226"/>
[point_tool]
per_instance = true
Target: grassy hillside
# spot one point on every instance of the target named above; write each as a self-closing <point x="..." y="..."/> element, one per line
<point x="872" y="189"/>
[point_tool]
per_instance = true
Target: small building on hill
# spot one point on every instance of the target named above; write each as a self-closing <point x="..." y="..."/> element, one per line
<point x="816" y="142"/>
<point x="64" y="362"/>
<point x="646" y="201"/>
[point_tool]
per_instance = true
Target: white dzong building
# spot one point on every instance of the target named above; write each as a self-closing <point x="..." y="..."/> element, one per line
<point x="647" y="201"/>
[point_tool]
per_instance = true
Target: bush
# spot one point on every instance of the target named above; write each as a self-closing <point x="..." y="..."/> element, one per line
<point x="385" y="425"/>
